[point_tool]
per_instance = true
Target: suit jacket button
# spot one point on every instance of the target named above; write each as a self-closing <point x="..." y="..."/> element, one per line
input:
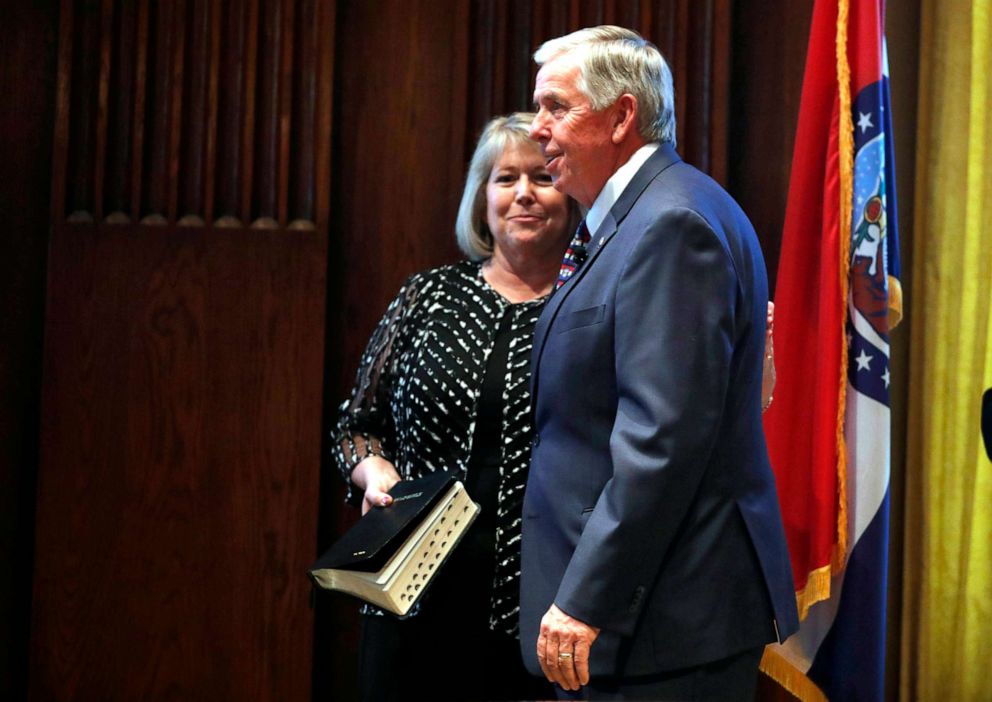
<point x="536" y="440"/>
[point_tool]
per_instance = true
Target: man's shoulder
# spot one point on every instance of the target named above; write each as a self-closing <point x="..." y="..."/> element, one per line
<point x="686" y="183"/>
<point x="684" y="187"/>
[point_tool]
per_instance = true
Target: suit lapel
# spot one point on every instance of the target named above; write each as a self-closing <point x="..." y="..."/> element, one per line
<point x="596" y="243"/>
<point x="661" y="159"/>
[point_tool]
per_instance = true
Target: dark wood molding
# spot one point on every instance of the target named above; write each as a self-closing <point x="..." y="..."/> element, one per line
<point x="181" y="400"/>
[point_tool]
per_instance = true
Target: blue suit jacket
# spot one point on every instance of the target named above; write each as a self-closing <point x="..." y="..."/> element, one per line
<point x="650" y="508"/>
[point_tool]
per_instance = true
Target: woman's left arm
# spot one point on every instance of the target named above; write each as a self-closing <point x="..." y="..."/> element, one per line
<point x="365" y="427"/>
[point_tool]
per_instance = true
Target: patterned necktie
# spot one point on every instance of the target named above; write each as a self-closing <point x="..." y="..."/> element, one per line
<point x="575" y="254"/>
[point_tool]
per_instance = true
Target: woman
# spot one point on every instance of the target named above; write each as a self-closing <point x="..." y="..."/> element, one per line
<point x="443" y="385"/>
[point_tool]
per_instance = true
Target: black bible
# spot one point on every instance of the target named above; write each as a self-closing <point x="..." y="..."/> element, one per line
<point x="389" y="557"/>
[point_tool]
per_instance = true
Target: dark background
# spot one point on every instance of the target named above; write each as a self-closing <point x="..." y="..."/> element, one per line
<point x="205" y="208"/>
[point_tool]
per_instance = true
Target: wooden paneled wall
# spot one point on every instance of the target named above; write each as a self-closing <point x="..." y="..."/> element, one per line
<point x="694" y="36"/>
<point x="181" y="404"/>
<point x="27" y="78"/>
<point x="194" y="113"/>
<point x="768" y="66"/>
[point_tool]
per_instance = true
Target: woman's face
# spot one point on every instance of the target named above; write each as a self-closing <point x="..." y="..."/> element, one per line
<point x="522" y="206"/>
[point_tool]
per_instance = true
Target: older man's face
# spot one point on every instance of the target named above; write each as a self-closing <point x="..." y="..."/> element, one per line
<point x="575" y="139"/>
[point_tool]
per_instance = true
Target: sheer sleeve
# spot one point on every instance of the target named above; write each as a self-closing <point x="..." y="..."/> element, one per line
<point x="365" y="427"/>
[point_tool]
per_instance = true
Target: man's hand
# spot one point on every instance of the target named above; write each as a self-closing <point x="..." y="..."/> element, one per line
<point x="563" y="649"/>
<point x="768" y="369"/>
<point x="376" y="476"/>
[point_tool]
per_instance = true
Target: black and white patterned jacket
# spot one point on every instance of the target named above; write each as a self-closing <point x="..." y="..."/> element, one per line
<point x="416" y="394"/>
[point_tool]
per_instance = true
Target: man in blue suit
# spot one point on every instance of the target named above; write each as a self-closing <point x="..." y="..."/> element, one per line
<point x="654" y="558"/>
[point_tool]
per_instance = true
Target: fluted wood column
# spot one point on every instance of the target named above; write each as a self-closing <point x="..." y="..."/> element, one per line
<point x="181" y="400"/>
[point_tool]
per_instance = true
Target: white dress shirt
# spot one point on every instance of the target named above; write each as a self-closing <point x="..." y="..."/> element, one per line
<point x="615" y="186"/>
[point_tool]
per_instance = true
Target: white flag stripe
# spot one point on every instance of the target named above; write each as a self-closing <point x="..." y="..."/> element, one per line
<point x="866" y="330"/>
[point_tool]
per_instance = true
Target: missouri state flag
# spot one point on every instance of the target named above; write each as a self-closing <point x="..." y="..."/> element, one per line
<point x="837" y="297"/>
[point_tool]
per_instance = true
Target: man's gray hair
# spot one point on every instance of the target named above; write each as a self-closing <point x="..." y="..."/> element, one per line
<point x="471" y="229"/>
<point x="613" y="61"/>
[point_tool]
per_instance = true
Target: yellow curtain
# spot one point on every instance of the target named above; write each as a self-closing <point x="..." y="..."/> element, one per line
<point x="946" y="647"/>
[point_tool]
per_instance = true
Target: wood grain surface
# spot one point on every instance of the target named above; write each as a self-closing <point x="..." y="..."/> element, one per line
<point x="28" y="34"/>
<point x="182" y="395"/>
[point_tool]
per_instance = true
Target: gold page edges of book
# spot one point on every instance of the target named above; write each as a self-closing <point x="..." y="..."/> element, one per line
<point x="404" y="578"/>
